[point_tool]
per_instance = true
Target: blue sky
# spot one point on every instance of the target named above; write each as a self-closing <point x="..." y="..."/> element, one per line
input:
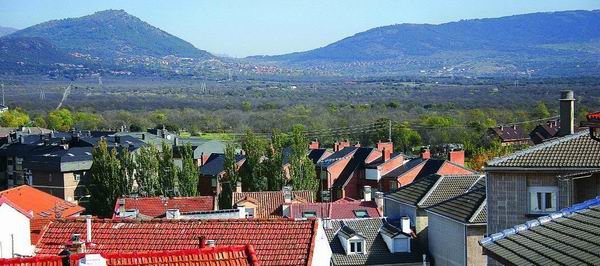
<point x="253" y="27"/>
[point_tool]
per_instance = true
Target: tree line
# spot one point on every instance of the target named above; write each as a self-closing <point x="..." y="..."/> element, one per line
<point x="145" y="172"/>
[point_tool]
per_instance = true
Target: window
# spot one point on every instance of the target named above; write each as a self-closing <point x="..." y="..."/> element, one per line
<point x="361" y="213"/>
<point x="356" y="247"/>
<point x="77" y="176"/>
<point x="213" y="182"/>
<point x="249" y="212"/>
<point x="543" y="199"/>
<point x="309" y="214"/>
<point x="393" y="185"/>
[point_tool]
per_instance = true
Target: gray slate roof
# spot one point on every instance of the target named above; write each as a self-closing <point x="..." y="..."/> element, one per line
<point x="433" y="189"/>
<point x="574" y="151"/>
<point x="377" y="251"/>
<point x="570" y="237"/>
<point x="468" y="208"/>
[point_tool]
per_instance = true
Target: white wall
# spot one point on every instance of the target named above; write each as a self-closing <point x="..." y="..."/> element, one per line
<point x="16" y="224"/>
<point x="446" y="240"/>
<point x="322" y="250"/>
<point x="395" y="210"/>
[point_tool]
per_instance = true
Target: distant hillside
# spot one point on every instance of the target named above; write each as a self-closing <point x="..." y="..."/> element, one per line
<point x="6" y="31"/>
<point x="508" y="44"/>
<point x="112" y="35"/>
<point x="28" y="55"/>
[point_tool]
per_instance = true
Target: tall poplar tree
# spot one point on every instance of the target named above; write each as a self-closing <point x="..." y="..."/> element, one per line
<point x="167" y="172"/>
<point x="147" y="171"/>
<point x="230" y="179"/>
<point x="188" y="177"/>
<point x="107" y="183"/>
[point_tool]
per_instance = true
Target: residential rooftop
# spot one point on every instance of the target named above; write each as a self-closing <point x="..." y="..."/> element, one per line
<point x="39" y="203"/>
<point x="155" y="207"/>
<point x="269" y="203"/>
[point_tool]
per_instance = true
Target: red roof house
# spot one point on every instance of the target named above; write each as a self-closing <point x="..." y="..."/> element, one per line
<point x="346" y="208"/>
<point x="269" y="204"/>
<point x="217" y="256"/>
<point x="40" y="204"/>
<point x="155" y="207"/>
<point x="276" y="241"/>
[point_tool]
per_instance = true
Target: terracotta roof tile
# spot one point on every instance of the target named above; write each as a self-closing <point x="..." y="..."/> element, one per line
<point x="154" y="206"/>
<point x="42" y="204"/>
<point x="269" y="202"/>
<point x="224" y="255"/>
<point x="593" y="116"/>
<point x="276" y="241"/>
<point x="37" y="226"/>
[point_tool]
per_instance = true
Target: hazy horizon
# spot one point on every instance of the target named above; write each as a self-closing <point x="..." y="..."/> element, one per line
<point x="243" y="28"/>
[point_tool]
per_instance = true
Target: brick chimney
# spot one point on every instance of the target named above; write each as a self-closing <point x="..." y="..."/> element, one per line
<point x="386" y="154"/>
<point x="339" y="145"/>
<point x="425" y="154"/>
<point x="567" y="113"/>
<point x="457" y="157"/>
<point x="313" y="145"/>
<point x="385" y="145"/>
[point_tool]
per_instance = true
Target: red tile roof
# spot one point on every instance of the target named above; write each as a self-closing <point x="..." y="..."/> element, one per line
<point x="593" y="116"/>
<point x="42" y="204"/>
<point x="4" y="200"/>
<point x="155" y="206"/>
<point x="224" y="255"/>
<point x="276" y="241"/>
<point x="269" y="202"/>
<point x="37" y="226"/>
<point x="340" y="209"/>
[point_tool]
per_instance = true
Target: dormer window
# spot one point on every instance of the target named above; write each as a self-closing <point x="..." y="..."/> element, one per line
<point x="356" y="247"/>
<point x="309" y="214"/>
<point x="249" y="212"/>
<point x="361" y="213"/>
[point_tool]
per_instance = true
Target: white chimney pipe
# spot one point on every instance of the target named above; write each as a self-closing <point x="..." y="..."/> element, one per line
<point x="379" y="200"/>
<point x="424" y="260"/>
<point x="367" y="193"/>
<point x="88" y="223"/>
<point x="406" y="225"/>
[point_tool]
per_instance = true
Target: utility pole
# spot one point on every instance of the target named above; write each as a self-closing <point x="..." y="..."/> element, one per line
<point x="3" y="95"/>
<point x="390" y="130"/>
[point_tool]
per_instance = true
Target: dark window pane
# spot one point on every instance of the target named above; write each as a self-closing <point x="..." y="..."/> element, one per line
<point x="548" y="200"/>
<point x="539" y="200"/>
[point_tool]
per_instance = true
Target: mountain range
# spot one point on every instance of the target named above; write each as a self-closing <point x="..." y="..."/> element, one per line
<point x="6" y="30"/>
<point x="544" y="44"/>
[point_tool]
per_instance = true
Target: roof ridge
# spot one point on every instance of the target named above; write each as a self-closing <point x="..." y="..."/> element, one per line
<point x="540" y="221"/>
<point x="479" y="209"/>
<point x="537" y="147"/>
<point x="430" y="190"/>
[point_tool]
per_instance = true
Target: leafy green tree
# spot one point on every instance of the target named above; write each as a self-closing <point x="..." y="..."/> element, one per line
<point x="541" y="110"/>
<point x="84" y="120"/>
<point x="188" y="178"/>
<point x="107" y="182"/>
<point x="39" y="121"/>
<point x="274" y="162"/>
<point x="147" y="171"/>
<point x="167" y="172"/>
<point x="252" y="177"/>
<point x="230" y="179"/>
<point x="302" y="170"/>
<point x="14" y="118"/>
<point x="405" y="138"/>
<point x="60" y="119"/>
<point x="128" y="166"/>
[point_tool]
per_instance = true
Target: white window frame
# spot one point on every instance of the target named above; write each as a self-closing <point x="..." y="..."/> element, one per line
<point x="542" y="191"/>
<point x="249" y="212"/>
<point x="309" y="214"/>
<point x="356" y="244"/>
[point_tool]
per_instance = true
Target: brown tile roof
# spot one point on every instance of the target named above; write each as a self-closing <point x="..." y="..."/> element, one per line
<point x="155" y="206"/>
<point x="219" y="256"/>
<point x="269" y="202"/>
<point x="578" y="151"/>
<point x="340" y="209"/>
<point x="467" y="208"/>
<point x="276" y="241"/>
<point x="510" y="133"/>
<point x="40" y="203"/>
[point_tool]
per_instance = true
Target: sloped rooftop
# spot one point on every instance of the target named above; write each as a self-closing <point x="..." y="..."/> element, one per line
<point x="155" y="206"/>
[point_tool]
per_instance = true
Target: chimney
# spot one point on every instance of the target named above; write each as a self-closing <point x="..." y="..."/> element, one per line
<point x="385" y="146"/>
<point x="287" y="194"/>
<point x="405" y="222"/>
<point x="387" y="153"/>
<point x="357" y="144"/>
<point x="314" y="145"/>
<point x="201" y="242"/>
<point x="176" y="141"/>
<point x="567" y="113"/>
<point x="75" y="245"/>
<point x="117" y="139"/>
<point x="327" y="223"/>
<point x="424" y="259"/>
<point x="121" y="207"/>
<point x="514" y="127"/>
<point x="88" y="227"/>
<point x="367" y="193"/>
<point x="238" y="187"/>
<point x="457" y="156"/>
<point x="143" y="136"/>
<point x="379" y="200"/>
<point x="211" y="243"/>
<point x="425" y="153"/>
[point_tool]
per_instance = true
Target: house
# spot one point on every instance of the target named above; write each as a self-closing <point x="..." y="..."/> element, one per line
<point x="346" y="208"/>
<point x="550" y="130"/>
<point x="275" y="241"/>
<point x="423" y="166"/>
<point x="217" y="256"/>
<point x="412" y="200"/>
<point x="269" y="204"/>
<point x="543" y="178"/>
<point x="212" y="172"/>
<point x="15" y="239"/>
<point x="371" y="241"/>
<point x="57" y="163"/>
<point x="41" y="204"/>
<point x="455" y="227"/>
<point x="157" y="207"/>
<point x="509" y="135"/>
<point x="568" y="237"/>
